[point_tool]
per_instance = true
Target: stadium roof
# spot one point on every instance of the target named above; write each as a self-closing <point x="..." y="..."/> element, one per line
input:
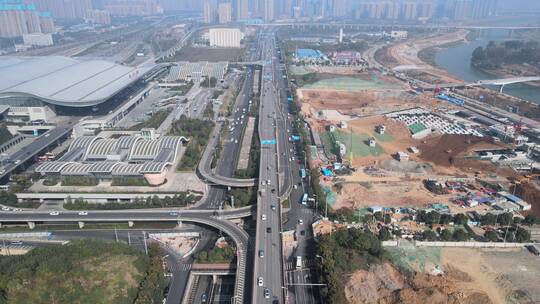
<point x="65" y="81"/>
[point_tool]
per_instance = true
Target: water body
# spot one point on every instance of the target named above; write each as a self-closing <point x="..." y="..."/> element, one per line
<point x="456" y="60"/>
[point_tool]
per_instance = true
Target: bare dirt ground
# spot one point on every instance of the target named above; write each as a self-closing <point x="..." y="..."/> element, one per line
<point x="403" y="193"/>
<point x="449" y="275"/>
<point x="405" y="54"/>
<point x="529" y="192"/>
<point x="447" y="153"/>
<point x="364" y="103"/>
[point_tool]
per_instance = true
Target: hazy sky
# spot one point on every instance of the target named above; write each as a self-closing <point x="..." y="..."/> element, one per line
<point x="519" y="4"/>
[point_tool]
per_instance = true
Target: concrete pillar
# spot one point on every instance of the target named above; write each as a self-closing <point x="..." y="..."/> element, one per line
<point x="81" y="225"/>
<point x="130" y="224"/>
<point x="179" y="224"/>
<point x="0" y="225"/>
<point x="31" y="225"/>
<point x="214" y="278"/>
<point x="501" y="90"/>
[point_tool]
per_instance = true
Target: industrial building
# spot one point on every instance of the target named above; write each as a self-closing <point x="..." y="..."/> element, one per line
<point x="196" y="71"/>
<point x="126" y="156"/>
<point x="225" y="37"/>
<point x="68" y="85"/>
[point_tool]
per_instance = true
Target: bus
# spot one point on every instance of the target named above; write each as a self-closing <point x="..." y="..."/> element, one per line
<point x="303" y="173"/>
<point x="304" y="199"/>
<point x="298" y="262"/>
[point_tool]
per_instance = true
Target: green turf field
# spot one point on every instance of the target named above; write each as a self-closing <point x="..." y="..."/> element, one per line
<point x="360" y="146"/>
<point x="348" y="84"/>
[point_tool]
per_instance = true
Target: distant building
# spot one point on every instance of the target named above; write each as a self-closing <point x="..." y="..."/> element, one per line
<point x="47" y="23"/>
<point x="343" y="125"/>
<point x="269" y="10"/>
<point x="342" y="150"/>
<point x="225" y="12"/>
<point x="38" y="39"/>
<point x="398" y="35"/>
<point x="225" y="37"/>
<point x="98" y="17"/>
<point x="381" y="129"/>
<point x="18" y="19"/>
<point x="372" y="142"/>
<point x="402" y="156"/>
<point x="209" y="11"/>
<point x="64" y="9"/>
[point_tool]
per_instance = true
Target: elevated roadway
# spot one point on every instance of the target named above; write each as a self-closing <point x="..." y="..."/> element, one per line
<point x="206" y="160"/>
<point x="268" y="261"/>
<point x="212" y="218"/>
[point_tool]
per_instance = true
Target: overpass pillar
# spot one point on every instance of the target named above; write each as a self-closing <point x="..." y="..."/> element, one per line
<point x="81" y="225"/>
<point x="214" y="278"/>
<point x="31" y="225"/>
<point x="501" y="89"/>
<point x="130" y="224"/>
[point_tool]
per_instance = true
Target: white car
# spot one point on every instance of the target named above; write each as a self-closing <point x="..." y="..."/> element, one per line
<point x="83" y="213"/>
<point x="260" y="281"/>
<point x="300" y="222"/>
<point x="263" y="217"/>
<point x="54" y="213"/>
<point x="5" y="209"/>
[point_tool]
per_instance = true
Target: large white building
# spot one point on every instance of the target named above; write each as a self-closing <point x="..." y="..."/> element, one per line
<point x="225" y="37"/>
<point x="38" y="39"/>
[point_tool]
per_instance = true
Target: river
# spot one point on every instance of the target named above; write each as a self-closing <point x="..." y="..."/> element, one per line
<point x="456" y="60"/>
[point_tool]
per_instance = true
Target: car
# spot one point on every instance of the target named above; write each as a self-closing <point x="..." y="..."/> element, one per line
<point x="83" y="213"/>
<point x="236" y="141"/>
<point x="295" y="186"/>
<point x="5" y="209"/>
<point x="204" y="298"/>
<point x="16" y="242"/>
<point x="274" y="190"/>
<point x="260" y="281"/>
<point x="54" y="213"/>
<point x="268" y="182"/>
<point x="300" y="222"/>
<point x="302" y="232"/>
<point x="268" y="229"/>
<point x="263" y="217"/>
<point x="173" y="213"/>
<point x="292" y="158"/>
<point x="261" y="254"/>
<point x="266" y="293"/>
<point x="273" y="207"/>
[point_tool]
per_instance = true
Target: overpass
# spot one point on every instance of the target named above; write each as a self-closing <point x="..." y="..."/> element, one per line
<point x="38" y="146"/>
<point x="496" y="82"/>
<point x="206" y="160"/>
<point x="212" y="218"/>
<point x="391" y="26"/>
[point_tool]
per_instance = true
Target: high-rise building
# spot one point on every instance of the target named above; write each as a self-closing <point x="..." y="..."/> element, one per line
<point x="242" y="9"/>
<point x="426" y="9"/>
<point x="63" y="9"/>
<point x="98" y="17"/>
<point x="409" y="10"/>
<point x="463" y="9"/>
<point x="132" y="7"/>
<point x="483" y="8"/>
<point x="391" y="10"/>
<point x="339" y="8"/>
<point x="225" y="37"/>
<point x="46" y="22"/>
<point x="209" y="11"/>
<point x="18" y="19"/>
<point x="269" y="10"/>
<point x="225" y="12"/>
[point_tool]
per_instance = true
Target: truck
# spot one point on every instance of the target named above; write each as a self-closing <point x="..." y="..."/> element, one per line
<point x="298" y="262"/>
<point x="303" y="173"/>
<point x="304" y="199"/>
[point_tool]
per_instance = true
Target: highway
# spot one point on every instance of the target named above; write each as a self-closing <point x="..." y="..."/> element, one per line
<point x="268" y="266"/>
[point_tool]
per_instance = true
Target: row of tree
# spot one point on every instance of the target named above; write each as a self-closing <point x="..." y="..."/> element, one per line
<point x="180" y="199"/>
<point x="495" y="55"/>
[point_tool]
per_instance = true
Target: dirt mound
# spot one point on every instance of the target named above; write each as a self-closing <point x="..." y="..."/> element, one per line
<point x="366" y="286"/>
<point x="445" y="149"/>
<point x="385" y="284"/>
<point x="530" y="194"/>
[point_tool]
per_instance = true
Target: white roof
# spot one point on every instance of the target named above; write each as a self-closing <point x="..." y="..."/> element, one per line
<point x="65" y="81"/>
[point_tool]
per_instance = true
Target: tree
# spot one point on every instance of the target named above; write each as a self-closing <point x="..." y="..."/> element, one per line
<point x="384" y="234"/>
<point x="387" y="218"/>
<point x="446" y="235"/>
<point x="378" y="216"/>
<point x="460" y="235"/>
<point x="530" y="219"/>
<point x="429" y="235"/>
<point x="489" y="219"/>
<point x="460" y="219"/>
<point x="505" y="219"/>
<point x="491" y="236"/>
<point x="522" y="235"/>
